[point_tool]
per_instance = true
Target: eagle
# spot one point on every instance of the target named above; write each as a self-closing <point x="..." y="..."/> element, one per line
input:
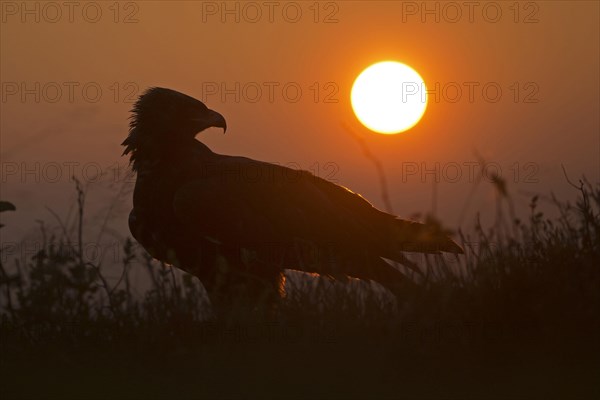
<point x="238" y="223"/>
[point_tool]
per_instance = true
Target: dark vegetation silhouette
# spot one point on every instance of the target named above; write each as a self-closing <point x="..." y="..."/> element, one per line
<point x="515" y="317"/>
<point x="237" y="223"/>
<point x="6" y="206"/>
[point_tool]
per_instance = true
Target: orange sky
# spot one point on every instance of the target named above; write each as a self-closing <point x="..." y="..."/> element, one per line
<point x="193" y="46"/>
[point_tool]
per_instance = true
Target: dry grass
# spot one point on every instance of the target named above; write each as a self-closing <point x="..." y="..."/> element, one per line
<point x="517" y="316"/>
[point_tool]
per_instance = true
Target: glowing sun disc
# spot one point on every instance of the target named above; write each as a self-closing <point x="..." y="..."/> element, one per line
<point x="389" y="97"/>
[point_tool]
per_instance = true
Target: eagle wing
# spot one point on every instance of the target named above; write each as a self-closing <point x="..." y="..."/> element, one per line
<point x="244" y="203"/>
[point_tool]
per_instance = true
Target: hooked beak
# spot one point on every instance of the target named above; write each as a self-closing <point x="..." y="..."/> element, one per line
<point x="211" y="119"/>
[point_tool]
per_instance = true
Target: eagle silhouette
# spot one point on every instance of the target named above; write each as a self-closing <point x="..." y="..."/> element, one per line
<point x="237" y="223"/>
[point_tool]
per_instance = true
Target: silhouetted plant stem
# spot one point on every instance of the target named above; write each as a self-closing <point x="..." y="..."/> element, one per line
<point x="378" y="167"/>
<point x="80" y="205"/>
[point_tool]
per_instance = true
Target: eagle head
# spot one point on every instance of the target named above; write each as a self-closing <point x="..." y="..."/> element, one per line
<point x="164" y="117"/>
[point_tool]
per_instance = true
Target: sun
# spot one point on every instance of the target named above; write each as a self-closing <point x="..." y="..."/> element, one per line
<point x="389" y="97"/>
